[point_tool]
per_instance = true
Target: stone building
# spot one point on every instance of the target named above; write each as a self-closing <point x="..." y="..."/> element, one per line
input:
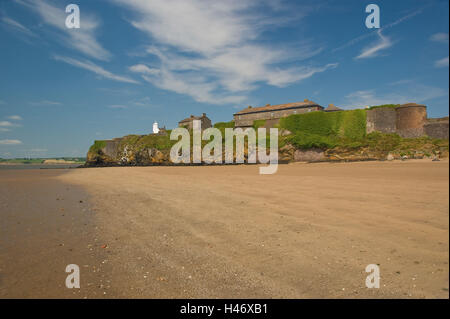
<point x="272" y="113"/>
<point x="189" y="124"/>
<point x="332" y="108"/>
<point x="407" y="120"/>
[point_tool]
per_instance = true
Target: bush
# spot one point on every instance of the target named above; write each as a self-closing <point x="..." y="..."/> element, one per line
<point x="97" y="146"/>
<point x="382" y="141"/>
<point x="304" y="140"/>
<point x="223" y="125"/>
<point x="326" y="129"/>
<point x="258" y="123"/>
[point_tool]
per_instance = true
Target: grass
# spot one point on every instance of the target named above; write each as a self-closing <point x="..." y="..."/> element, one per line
<point x="140" y="142"/>
<point x="97" y="146"/>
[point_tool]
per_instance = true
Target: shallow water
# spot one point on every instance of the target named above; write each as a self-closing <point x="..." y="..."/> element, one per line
<point x="38" y="166"/>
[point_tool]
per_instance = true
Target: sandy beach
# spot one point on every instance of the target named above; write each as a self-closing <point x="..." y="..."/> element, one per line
<point x="308" y="231"/>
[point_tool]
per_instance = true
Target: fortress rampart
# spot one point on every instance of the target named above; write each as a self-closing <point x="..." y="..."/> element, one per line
<point x="407" y="120"/>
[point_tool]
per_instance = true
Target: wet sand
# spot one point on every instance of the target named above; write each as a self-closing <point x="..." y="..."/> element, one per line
<point x="45" y="226"/>
<point x="308" y="231"/>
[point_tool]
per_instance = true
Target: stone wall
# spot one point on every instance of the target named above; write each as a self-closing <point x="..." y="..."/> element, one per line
<point x="382" y="119"/>
<point x="111" y="147"/>
<point x="245" y="120"/>
<point x="437" y="128"/>
<point x="407" y="120"/>
<point x="410" y="120"/>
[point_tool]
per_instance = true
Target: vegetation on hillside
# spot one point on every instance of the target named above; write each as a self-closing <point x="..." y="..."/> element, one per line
<point x="337" y="133"/>
<point x="325" y="129"/>
<point x="140" y="142"/>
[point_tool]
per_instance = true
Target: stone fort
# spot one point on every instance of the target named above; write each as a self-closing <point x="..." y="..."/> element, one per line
<point x="407" y="120"/>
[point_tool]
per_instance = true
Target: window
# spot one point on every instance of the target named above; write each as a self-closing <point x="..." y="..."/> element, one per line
<point x="271" y="114"/>
<point x="295" y="111"/>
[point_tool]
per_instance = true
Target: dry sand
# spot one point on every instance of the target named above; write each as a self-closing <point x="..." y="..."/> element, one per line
<point x="308" y="231"/>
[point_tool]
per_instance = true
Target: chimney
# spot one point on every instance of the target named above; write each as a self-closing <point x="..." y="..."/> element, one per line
<point x="305" y="100"/>
<point x="249" y="106"/>
<point x="268" y="104"/>
<point x="203" y="114"/>
<point x="331" y="105"/>
<point x="192" y="116"/>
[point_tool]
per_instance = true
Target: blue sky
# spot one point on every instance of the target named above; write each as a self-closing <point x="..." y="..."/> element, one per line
<point x="134" y="62"/>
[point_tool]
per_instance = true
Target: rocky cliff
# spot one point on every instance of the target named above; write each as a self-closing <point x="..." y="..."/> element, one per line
<point x="154" y="149"/>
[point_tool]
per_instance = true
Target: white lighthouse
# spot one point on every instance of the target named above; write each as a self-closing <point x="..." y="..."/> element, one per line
<point x="155" y="128"/>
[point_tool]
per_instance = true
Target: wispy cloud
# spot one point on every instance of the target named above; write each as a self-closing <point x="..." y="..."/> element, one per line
<point x="367" y="35"/>
<point x="88" y="65"/>
<point x="45" y="103"/>
<point x="145" y="101"/>
<point x="374" y="49"/>
<point x="6" y="124"/>
<point x="17" y="26"/>
<point x="442" y="63"/>
<point x="440" y="37"/>
<point x="143" y="69"/>
<point x="10" y="142"/>
<point x="83" y="39"/>
<point x="15" y="117"/>
<point x="214" y="53"/>
<point x="4" y="129"/>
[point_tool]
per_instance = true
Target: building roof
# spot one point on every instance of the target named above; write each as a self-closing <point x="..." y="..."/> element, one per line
<point x="277" y="107"/>
<point x="411" y="104"/>
<point x="332" y="108"/>
<point x="192" y="117"/>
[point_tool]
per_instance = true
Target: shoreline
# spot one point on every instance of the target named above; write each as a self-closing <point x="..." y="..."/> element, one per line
<point x="307" y="231"/>
<point x="46" y="225"/>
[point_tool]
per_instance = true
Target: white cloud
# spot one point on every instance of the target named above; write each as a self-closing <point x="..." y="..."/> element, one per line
<point x="15" y="117"/>
<point x="212" y="52"/>
<point x="440" y="37"/>
<point x="10" y="142"/>
<point x="82" y="39"/>
<point x="142" y="68"/>
<point x="6" y="124"/>
<point x="17" y="26"/>
<point x="4" y="129"/>
<point x="45" y="103"/>
<point x="88" y="65"/>
<point x="442" y="63"/>
<point x="373" y="50"/>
